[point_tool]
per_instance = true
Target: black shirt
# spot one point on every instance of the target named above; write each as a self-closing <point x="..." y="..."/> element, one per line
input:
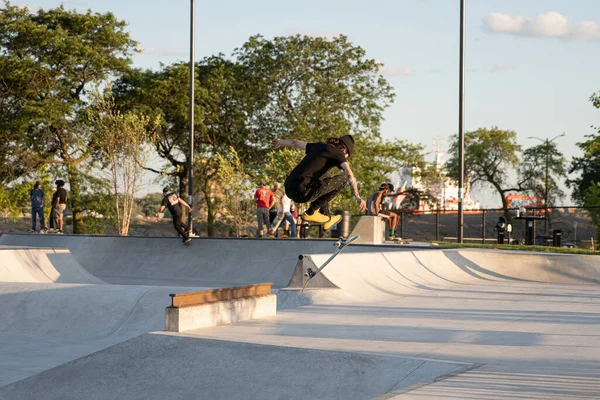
<point x="60" y="196"/>
<point x="171" y="201"/>
<point x="320" y="158"/>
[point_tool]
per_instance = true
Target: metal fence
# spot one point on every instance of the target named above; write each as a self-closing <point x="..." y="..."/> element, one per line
<point x="573" y="223"/>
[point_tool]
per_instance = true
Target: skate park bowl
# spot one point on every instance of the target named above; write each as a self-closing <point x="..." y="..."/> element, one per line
<point x="84" y="317"/>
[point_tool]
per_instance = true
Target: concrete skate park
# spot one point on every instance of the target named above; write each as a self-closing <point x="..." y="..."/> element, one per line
<point x="84" y="317"/>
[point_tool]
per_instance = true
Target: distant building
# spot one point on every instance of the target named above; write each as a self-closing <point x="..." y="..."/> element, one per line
<point x="445" y="192"/>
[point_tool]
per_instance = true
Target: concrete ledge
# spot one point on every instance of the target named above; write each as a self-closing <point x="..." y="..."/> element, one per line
<point x="371" y="230"/>
<point x="209" y="308"/>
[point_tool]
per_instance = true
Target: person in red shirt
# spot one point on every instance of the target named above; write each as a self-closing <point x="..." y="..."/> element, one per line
<point x="264" y="201"/>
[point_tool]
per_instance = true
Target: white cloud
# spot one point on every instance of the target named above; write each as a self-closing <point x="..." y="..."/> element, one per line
<point x="396" y="71"/>
<point x="549" y="24"/>
<point x="499" y="67"/>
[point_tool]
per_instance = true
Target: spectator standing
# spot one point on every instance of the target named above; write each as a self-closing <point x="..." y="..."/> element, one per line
<point x="264" y="201"/>
<point x="37" y="206"/>
<point x="274" y="210"/>
<point x="59" y="204"/>
<point x="285" y="213"/>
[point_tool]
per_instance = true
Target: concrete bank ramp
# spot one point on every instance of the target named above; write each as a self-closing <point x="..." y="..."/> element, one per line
<point x="160" y="366"/>
<point x="376" y="275"/>
<point x="42" y="266"/>
<point x="210" y="262"/>
<point x="43" y="325"/>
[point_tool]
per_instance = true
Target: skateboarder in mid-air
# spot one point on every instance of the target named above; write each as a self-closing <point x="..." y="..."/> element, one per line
<point x="173" y="203"/>
<point x="307" y="182"/>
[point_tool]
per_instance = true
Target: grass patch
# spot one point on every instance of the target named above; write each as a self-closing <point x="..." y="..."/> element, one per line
<point x="519" y="247"/>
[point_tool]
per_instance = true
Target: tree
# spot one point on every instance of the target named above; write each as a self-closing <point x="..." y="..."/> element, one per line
<point x="316" y="87"/>
<point x="235" y="187"/>
<point x="540" y="168"/>
<point x="489" y="156"/>
<point x="588" y="166"/>
<point x="121" y="140"/>
<point x="226" y="99"/>
<point x="532" y="171"/>
<point x="319" y="88"/>
<point x="592" y="200"/>
<point x="48" y="61"/>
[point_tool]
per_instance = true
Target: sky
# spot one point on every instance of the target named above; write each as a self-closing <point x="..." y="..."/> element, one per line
<point x="531" y="66"/>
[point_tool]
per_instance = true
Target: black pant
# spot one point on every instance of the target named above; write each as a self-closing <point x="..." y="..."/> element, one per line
<point x="272" y="216"/>
<point x="181" y="227"/>
<point x="318" y="192"/>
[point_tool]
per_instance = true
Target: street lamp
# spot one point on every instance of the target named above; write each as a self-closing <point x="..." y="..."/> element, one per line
<point x="191" y="117"/>
<point x="461" y="119"/>
<point x="547" y="141"/>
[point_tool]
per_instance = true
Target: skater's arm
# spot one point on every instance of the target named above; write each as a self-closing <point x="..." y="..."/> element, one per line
<point x="277" y="143"/>
<point x="362" y="205"/>
<point x="181" y="201"/>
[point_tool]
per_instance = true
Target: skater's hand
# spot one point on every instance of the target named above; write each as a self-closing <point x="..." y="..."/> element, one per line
<point x="362" y="205"/>
<point x="276" y="143"/>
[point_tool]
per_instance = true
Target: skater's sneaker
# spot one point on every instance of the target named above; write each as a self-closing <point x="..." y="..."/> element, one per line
<point x="192" y="235"/>
<point x="187" y="241"/>
<point x="315" y="217"/>
<point x="333" y="221"/>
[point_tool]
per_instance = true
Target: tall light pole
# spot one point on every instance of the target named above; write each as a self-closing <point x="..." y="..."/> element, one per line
<point x="191" y="117"/>
<point x="461" y="121"/>
<point x="547" y="142"/>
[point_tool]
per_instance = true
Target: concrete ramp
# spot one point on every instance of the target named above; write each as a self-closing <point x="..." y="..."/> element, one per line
<point x="377" y="275"/>
<point x="207" y="262"/>
<point x="43" y="325"/>
<point x="42" y="266"/>
<point x="159" y="366"/>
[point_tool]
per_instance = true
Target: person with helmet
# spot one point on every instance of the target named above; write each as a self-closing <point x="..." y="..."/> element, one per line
<point x="308" y="183"/>
<point x="174" y="203"/>
<point x="376" y="207"/>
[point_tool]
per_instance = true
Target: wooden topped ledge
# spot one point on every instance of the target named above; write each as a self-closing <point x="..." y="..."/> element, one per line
<point x="216" y="295"/>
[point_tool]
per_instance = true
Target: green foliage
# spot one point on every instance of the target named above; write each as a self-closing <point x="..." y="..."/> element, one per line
<point x="150" y="203"/>
<point x="122" y="139"/>
<point x="592" y="198"/>
<point x="235" y="188"/>
<point x="532" y="171"/>
<point x="489" y="156"/>
<point x="317" y="88"/>
<point x="588" y="165"/>
<point x="50" y="58"/>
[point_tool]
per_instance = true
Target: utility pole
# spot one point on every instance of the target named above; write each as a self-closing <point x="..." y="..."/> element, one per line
<point x="546" y="186"/>
<point x="191" y="117"/>
<point x="461" y="122"/>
